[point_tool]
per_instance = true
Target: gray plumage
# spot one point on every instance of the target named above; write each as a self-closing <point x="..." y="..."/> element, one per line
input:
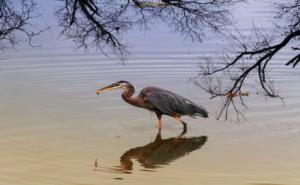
<point x="169" y="103"/>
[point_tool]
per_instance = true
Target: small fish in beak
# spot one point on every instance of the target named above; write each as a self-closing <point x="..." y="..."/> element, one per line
<point x="108" y="88"/>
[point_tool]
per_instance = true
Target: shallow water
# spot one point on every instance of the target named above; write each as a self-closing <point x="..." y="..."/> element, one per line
<point x="55" y="130"/>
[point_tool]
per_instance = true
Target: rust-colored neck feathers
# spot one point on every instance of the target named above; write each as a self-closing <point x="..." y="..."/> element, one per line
<point x="133" y="100"/>
<point x="127" y="94"/>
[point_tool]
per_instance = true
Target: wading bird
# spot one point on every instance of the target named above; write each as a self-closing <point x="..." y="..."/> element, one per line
<point x="159" y="101"/>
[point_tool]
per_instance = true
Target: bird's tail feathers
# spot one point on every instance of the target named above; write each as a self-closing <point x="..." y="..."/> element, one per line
<point x="200" y="111"/>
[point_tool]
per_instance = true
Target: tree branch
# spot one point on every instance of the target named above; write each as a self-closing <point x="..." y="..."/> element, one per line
<point x="102" y="23"/>
<point x="15" y="20"/>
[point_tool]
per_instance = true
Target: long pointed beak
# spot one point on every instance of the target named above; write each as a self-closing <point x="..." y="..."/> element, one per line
<point x="107" y="88"/>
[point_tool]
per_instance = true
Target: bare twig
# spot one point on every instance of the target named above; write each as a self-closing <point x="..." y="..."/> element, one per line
<point x="15" y="20"/>
<point x="102" y="23"/>
<point x="257" y="56"/>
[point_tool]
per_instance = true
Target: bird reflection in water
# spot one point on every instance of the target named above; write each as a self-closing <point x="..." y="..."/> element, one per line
<point x="157" y="153"/>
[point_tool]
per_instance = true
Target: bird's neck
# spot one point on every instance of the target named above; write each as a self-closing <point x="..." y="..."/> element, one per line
<point x="127" y="95"/>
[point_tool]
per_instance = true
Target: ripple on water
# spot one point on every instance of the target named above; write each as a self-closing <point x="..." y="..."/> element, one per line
<point x="53" y="125"/>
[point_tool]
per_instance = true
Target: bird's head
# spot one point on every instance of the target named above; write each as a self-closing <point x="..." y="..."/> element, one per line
<point x="117" y="85"/>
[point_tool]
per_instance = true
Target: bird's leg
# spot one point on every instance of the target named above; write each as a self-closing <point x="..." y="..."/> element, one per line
<point x="159" y="124"/>
<point x="179" y="120"/>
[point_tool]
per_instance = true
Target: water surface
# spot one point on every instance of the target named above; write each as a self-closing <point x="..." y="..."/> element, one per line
<point x="55" y="130"/>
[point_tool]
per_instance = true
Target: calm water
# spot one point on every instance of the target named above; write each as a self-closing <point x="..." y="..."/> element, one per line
<point x="55" y="130"/>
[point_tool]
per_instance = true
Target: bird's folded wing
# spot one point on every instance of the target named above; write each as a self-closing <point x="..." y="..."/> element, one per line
<point x="167" y="102"/>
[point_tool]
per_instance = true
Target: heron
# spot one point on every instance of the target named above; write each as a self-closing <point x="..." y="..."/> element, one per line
<point x="159" y="101"/>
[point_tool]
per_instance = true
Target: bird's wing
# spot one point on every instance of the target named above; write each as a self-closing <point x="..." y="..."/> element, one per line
<point x="168" y="103"/>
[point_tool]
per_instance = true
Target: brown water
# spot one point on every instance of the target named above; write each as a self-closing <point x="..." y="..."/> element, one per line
<point x="55" y="130"/>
